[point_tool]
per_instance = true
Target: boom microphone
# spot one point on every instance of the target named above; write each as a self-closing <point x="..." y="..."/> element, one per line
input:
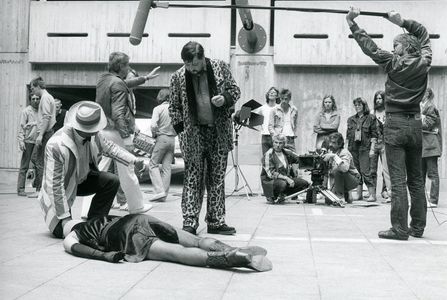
<point x="140" y="22"/>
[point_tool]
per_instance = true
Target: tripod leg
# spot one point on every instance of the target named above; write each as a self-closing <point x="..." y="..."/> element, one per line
<point x="245" y="180"/>
<point x="296" y="194"/>
<point x="332" y="197"/>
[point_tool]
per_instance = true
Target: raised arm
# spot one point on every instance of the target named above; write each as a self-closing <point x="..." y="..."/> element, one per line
<point x="381" y="57"/>
<point x="420" y="32"/>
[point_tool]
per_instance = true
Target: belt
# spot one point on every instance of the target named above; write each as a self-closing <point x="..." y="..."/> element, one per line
<point x="207" y="125"/>
<point x="409" y="115"/>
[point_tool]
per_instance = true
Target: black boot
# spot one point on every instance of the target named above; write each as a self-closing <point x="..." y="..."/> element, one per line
<point x="237" y="259"/>
<point x="253" y="250"/>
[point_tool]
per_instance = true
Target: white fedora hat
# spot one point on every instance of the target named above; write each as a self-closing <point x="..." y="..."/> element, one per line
<point x="86" y="116"/>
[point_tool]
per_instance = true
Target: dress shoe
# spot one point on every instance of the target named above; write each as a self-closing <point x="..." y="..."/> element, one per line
<point x="189" y="229"/>
<point x="270" y="200"/>
<point x="22" y="193"/>
<point x="415" y="233"/>
<point x="391" y="235"/>
<point x="144" y="209"/>
<point x="222" y="229"/>
<point x="281" y="198"/>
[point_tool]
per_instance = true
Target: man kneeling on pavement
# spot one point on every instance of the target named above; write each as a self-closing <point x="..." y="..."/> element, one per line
<point x="277" y="177"/>
<point x="343" y="176"/>
<point x="71" y="167"/>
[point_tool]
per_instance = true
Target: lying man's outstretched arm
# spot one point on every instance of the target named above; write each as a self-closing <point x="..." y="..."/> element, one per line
<point x="73" y="246"/>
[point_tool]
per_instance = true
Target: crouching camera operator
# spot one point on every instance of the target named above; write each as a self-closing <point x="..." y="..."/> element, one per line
<point x="342" y="172"/>
<point x="277" y="177"/>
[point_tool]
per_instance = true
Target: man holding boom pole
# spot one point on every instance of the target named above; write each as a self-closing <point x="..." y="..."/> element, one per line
<point x="407" y="75"/>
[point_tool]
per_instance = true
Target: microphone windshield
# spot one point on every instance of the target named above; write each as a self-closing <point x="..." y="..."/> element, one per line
<point x="140" y="22"/>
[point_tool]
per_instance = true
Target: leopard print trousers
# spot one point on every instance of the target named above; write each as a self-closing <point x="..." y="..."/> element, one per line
<point x="206" y="166"/>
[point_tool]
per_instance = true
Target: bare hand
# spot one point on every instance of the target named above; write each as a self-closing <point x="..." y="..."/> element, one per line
<point x="290" y="182"/>
<point x="152" y="74"/>
<point x="218" y="100"/>
<point x="395" y="18"/>
<point x="129" y="148"/>
<point x="39" y="140"/>
<point x="371" y="154"/>
<point x="328" y="156"/>
<point x="22" y="146"/>
<point x="353" y="13"/>
<point x="140" y="166"/>
<point x="113" y="256"/>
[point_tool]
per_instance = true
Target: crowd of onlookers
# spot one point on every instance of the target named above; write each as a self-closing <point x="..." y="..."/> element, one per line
<point x="364" y="141"/>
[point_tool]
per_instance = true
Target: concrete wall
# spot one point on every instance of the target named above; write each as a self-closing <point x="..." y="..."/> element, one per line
<point x="255" y="73"/>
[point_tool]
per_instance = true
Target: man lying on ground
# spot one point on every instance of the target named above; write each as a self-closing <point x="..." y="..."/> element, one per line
<point x="139" y="237"/>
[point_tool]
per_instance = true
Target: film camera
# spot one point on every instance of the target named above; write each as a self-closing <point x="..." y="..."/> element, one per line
<point x="313" y="162"/>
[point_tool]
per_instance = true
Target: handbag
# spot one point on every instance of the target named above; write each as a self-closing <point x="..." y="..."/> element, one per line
<point x="144" y="144"/>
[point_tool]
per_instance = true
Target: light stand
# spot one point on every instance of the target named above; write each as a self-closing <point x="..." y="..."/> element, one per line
<point x="237" y="169"/>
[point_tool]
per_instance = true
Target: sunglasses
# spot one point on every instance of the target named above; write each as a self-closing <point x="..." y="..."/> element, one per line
<point x="35" y="98"/>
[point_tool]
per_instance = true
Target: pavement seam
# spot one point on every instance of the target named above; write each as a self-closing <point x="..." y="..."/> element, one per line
<point x="27" y="253"/>
<point x="312" y="251"/>
<point x="138" y="281"/>
<point x="57" y="276"/>
<point x="384" y="259"/>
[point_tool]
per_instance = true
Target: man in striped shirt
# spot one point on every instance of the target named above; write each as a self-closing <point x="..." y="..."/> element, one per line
<point x="71" y="167"/>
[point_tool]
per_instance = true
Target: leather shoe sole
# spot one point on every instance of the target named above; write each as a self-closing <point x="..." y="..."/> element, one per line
<point x="223" y="231"/>
<point x="391" y="235"/>
<point x="414" y="233"/>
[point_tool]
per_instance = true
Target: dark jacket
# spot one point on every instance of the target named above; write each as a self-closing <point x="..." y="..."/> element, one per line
<point x="407" y="75"/>
<point x="368" y="126"/>
<point x="112" y="94"/>
<point x="431" y="131"/>
<point x="183" y="111"/>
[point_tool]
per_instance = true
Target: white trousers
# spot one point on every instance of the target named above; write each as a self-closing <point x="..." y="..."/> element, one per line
<point x="128" y="179"/>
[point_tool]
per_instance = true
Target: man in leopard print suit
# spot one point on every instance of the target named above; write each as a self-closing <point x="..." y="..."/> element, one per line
<point x="202" y="93"/>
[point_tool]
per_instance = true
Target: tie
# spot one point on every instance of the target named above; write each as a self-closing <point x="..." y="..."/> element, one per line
<point x="86" y="140"/>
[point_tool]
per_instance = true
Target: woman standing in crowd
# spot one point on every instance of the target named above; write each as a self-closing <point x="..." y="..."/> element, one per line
<point x="272" y="99"/>
<point x="431" y="145"/>
<point x="327" y="121"/>
<point x="379" y="149"/>
<point x="362" y="138"/>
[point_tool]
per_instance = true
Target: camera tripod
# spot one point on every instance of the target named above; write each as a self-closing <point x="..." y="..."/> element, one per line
<point x="317" y="187"/>
<point x="237" y="168"/>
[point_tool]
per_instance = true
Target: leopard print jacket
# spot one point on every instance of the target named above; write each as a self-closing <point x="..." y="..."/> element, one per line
<point x="182" y="106"/>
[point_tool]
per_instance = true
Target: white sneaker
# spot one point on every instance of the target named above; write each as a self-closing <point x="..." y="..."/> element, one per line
<point x="158" y="197"/>
<point x="431" y="205"/>
<point x="144" y="209"/>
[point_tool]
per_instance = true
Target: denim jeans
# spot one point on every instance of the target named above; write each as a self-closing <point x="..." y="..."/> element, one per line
<point x="344" y="182"/>
<point x="362" y="163"/>
<point x="38" y="157"/>
<point x="403" y="147"/>
<point x="379" y="153"/>
<point x="24" y="166"/>
<point x="430" y="170"/>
